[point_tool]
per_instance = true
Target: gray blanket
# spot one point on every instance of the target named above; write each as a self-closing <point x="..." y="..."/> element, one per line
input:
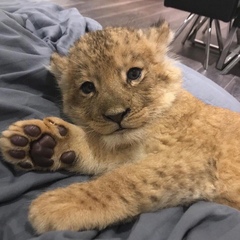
<point x="29" y="33"/>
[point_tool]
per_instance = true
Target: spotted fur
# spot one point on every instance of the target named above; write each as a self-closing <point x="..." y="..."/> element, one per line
<point x="152" y="144"/>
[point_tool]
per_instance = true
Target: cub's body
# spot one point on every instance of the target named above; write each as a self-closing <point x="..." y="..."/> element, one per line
<point x="152" y="144"/>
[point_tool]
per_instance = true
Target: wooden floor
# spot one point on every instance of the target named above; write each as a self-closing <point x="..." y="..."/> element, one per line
<point x="142" y="13"/>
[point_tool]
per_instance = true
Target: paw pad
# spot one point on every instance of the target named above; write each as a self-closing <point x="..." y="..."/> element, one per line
<point x="32" y="130"/>
<point x="47" y="141"/>
<point x="19" y="140"/>
<point x="42" y="161"/>
<point x="42" y="151"/>
<point x="68" y="157"/>
<point x="25" y="165"/>
<point x="62" y="130"/>
<point x="18" y="154"/>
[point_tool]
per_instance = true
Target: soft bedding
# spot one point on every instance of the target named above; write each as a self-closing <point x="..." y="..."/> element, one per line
<point x="29" y="33"/>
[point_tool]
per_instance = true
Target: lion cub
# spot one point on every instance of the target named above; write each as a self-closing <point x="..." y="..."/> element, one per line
<point x="152" y="144"/>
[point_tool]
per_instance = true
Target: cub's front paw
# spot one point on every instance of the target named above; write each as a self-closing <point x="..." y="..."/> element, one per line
<point x="52" y="211"/>
<point x="38" y="144"/>
<point x="65" y="209"/>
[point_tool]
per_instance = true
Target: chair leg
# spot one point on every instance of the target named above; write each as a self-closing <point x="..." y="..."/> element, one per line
<point x="232" y="59"/>
<point x="207" y="49"/>
<point x="182" y="27"/>
<point x="233" y="54"/>
<point x="205" y="29"/>
<point x="222" y="60"/>
<point x="194" y="25"/>
<point x="231" y="65"/>
<point x="192" y="36"/>
<point x="219" y="35"/>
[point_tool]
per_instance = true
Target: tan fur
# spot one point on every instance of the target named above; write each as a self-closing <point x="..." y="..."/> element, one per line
<point x="174" y="150"/>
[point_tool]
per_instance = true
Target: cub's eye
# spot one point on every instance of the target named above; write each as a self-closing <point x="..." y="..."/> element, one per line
<point x="134" y="73"/>
<point x="87" y="87"/>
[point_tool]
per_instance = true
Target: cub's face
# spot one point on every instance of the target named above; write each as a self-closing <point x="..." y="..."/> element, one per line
<point x="117" y="81"/>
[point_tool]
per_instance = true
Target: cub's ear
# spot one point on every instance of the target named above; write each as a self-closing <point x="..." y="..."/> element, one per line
<point x="160" y="34"/>
<point x="58" y="66"/>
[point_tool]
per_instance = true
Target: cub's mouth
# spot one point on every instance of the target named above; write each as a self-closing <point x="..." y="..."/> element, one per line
<point x="124" y="136"/>
<point x="122" y="130"/>
<point x="119" y="129"/>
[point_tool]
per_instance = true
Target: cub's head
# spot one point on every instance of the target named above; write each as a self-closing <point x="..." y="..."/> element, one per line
<point x="117" y="81"/>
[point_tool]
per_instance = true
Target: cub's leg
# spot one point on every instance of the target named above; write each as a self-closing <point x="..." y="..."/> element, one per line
<point x="47" y="144"/>
<point x="121" y="194"/>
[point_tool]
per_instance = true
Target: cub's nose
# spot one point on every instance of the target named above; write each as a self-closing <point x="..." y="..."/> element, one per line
<point x="117" y="117"/>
